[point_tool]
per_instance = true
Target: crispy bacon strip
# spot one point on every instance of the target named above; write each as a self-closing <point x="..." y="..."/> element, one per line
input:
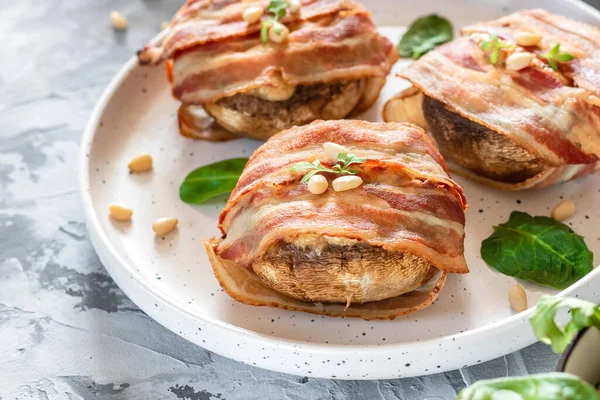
<point x="553" y="115"/>
<point x="407" y="203"/>
<point x="217" y="54"/>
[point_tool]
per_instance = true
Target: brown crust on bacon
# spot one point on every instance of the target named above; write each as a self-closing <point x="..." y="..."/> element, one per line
<point x="243" y="285"/>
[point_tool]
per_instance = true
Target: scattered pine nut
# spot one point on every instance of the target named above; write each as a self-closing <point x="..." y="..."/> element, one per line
<point x="518" y="61"/>
<point x="141" y="163"/>
<point x="333" y="149"/>
<point x="252" y="14"/>
<point x="294" y="5"/>
<point x="563" y="210"/>
<point x="120" y="212"/>
<point x="344" y="183"/>
<point x="118" y="20"/>
<point x="278" y="33"/>
<point x="164" y="226"/>
<point x="317" y="184"/>
<point x="518" y="298"/>
<point x="527" y="38"/>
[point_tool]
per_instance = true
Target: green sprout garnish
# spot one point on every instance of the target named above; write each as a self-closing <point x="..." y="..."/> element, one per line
<point x="341" y="167"/>
<point x="555" y="56"/>
<point x="277" y="9"/>
<point x="496" y="46"/>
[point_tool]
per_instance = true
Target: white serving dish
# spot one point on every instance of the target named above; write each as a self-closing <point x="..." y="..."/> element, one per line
<point x="171" y="279"/>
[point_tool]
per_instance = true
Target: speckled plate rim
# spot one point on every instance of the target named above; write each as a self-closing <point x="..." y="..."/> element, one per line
<point x="148" y="298"/>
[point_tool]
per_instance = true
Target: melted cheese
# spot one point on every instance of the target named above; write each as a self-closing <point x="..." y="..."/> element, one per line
<point x="319" y="242"/>
<point x="281" y="92"/>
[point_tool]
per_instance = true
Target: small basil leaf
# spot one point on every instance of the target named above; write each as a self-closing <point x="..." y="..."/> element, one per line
<point x="486" y="46"/>
<point x="277" y="8"/>
<point x="211" y="180"/>
<point x="564" y="57"/>
<point x="538" y="249"/>
<point x="264" y="31"/>
<point x="301" y="166"/>
<point x="425" y="34"/>
<point x="306" y="177"/>
<point x="357" y="160"/>
<point x="553" y="386"/>
<point x="342" y="157"/>
<point x="495" y="55"/>
<point x="583" y="314"/>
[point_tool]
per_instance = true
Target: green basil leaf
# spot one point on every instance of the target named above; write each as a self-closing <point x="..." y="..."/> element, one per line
<point x="277" y="8"/>
<point x="553" y="386"/>
<point x="301" y="166"/>
<point x="342" y="157"/>
<point x="211" y="180"/>
<point x="583" y="314"/>
<point x="495" y="55"/>
<point x="486" y="46"/>
<point x="425" y="34"/>
<point x="306" y="177"/>
<point x="564" y="57"/>
<point x="264" y="31"/>
<point x="356" y="160"/>
<point x="538" y="249"/>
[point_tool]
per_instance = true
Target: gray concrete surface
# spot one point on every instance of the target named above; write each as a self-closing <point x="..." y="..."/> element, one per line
<point x="66" y="330"/>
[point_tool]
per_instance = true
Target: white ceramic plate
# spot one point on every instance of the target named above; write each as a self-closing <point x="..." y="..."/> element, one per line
<point x="171" y="280"/>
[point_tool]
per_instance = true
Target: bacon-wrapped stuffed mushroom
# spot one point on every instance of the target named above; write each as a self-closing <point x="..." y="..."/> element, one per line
<point x="514" y="103"/>
<point x="260" y="66"/>
<point x="374" y="239"/>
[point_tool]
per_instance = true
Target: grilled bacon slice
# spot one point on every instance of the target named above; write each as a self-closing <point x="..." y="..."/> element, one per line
<point x="511" y="129"/>
<point x="332" y="64"/>
<point x="380" y="250"/>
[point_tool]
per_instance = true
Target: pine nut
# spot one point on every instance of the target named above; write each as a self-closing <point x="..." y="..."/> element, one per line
<point x="563" y="210"/>
<point x="118" y="20"/>
<point x="120" y="212"/>
<point x="278" y="33"/>
<point x="252" y="14"/>
<point x="527" y="38"/>
<point x="317" y="184"/>
<point x="518" y="61"/>
<point x="518" y="298"/>
<point x="333" y="149"/>
<point x="164" y="226"/>
<point x="344" y="183"/>
<point x="141" y="163"/>
<point x="294" y="5"/>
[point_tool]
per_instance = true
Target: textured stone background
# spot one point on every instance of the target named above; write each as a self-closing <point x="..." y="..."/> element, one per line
<point x="66" y="330"/>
